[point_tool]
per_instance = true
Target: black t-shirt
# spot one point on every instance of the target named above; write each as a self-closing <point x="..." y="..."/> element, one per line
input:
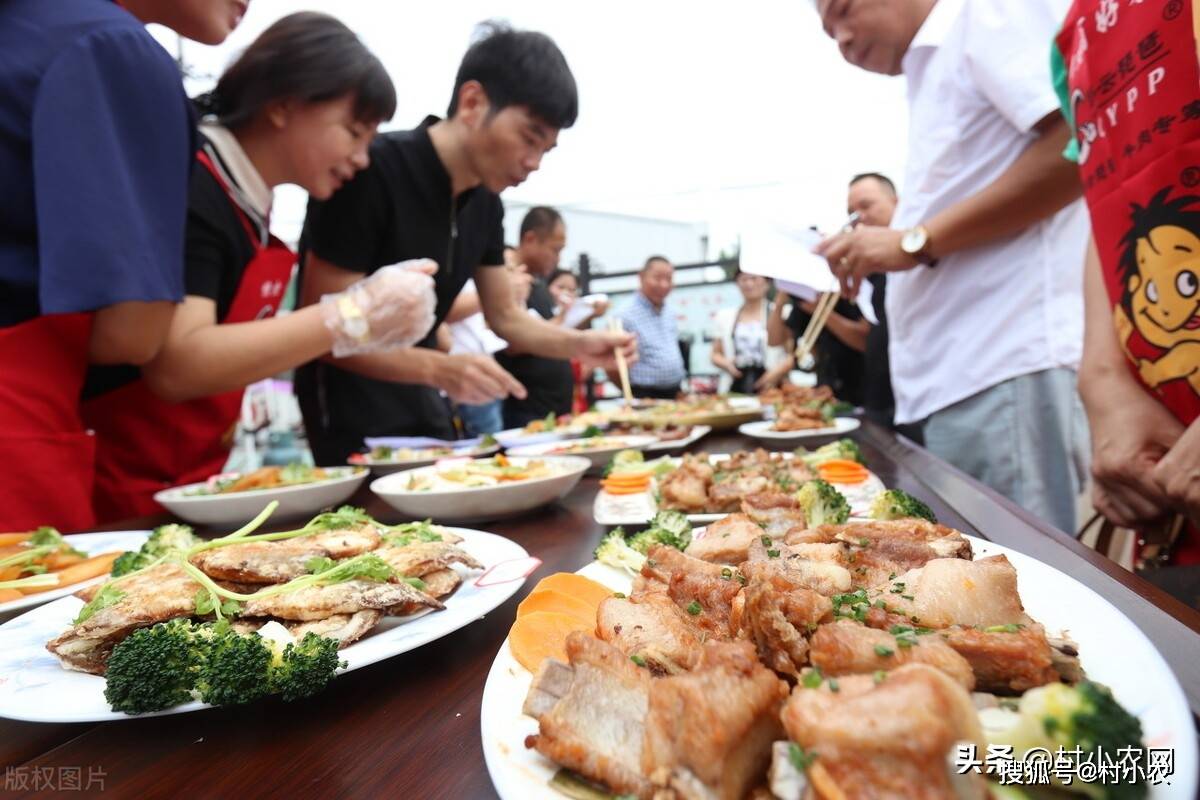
<point x="839" y="365"/>
<point x="217" y="250"/>
<point x="398" y="208"/>
<point x="549" y="381"/>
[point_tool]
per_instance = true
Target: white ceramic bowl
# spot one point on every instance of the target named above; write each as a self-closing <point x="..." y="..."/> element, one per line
<point x="599" y="456"/>
<point x="238" y="508"/>
<point x="388" y="467"/>
<point x="476" y="503"/>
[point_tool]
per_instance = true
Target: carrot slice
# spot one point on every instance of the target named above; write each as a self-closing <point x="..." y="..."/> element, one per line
<point x="7" y="539"/>
<point x="556" y="601"/>
<point x="84" y="570"/>
<point x="8" y="595"/>
<point x="575" y="586"/>
<point x="543" y="634"/>
<point x="625" y="489"/>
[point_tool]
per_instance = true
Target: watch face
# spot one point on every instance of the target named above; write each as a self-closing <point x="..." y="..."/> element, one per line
<point x="913" y="241"/>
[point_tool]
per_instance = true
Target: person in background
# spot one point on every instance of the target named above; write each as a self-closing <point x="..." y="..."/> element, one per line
<point x="96" y="146"/>
<point x="873" y="198"/>
<point x="838" y="351"/>
<point x="564" y="288"/>
<point x="739" y="347"/>
<point x="467" y="332"/>
<point x="1140" y="375"/>
<point x="433" y="192"/>
<point x="299" y="106"/>
<point x="660" y="370"/>
<point x="985" y="295"/>
<point x="549" y="383"/>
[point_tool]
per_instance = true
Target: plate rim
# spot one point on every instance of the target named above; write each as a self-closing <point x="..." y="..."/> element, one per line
<point x="174" y="494"/>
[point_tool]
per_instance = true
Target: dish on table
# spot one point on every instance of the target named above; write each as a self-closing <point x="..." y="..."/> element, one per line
<point x="214" y="502"/>
<point x="362" y="591"/>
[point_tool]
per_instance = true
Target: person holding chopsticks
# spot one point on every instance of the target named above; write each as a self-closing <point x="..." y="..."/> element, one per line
<point x="96" y="146"/>
<point x="300" y="106"/>
<point x="839" y="346"/>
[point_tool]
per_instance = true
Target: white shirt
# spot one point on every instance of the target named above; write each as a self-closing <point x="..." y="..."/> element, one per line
<point x="472" y="335"/>
<point x="978" y="78"/>
<point x="723" y="329"/>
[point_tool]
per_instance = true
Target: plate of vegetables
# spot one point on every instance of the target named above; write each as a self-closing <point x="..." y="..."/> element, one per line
<point x="43" y="565"/>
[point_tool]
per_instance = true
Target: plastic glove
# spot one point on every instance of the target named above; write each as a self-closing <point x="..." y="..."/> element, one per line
<point x="394" y="307"/>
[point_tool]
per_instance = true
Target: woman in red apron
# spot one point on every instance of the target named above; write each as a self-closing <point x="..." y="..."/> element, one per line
<point x="96" y="137"/>
<point x="1128" y="78"/>
<point x="299" y="106"/>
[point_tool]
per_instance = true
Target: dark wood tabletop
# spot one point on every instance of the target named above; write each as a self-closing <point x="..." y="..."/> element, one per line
<point x="409" y="726"/>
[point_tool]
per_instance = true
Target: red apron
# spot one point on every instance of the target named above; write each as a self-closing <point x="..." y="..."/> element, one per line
<point x="46" y="455"/>
<point x="144" y="443"/>
<point x="1134" y="91"/>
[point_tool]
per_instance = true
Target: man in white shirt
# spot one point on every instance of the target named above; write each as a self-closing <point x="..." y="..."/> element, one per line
<point x="985" y="297"/>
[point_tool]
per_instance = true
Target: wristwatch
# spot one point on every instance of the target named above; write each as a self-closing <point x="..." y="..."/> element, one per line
<point x="915" y="242"/>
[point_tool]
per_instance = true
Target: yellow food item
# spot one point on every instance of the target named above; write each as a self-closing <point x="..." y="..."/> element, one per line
<point x="555" y="601"/>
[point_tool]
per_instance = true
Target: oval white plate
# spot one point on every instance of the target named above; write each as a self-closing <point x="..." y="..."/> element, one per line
<point x="479" y="502"/>
<point x="388" y="467"/>
<point x="237" y="507"/>
<point x="698" y="432"/>
<point x="763" y="430"/>
<point x="93" y="544"/>
<point x="599" y="457"/>
<point x="35" y="687"/>
<point x="1112" y="650"/>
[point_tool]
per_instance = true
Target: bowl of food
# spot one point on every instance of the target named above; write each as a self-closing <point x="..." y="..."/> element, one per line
<point x="596" y="449"/>
<point x="232" y="498"/>
<point x="480" y="489"/>
<point x="384" y="460"/>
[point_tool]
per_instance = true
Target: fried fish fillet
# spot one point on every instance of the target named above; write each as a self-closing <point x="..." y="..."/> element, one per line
<point x="439" y="583"/>
<point x="344" y="628"/>
<point x="349" y="597"/>
<point x="420" y="558"/>
<point x="277" y="562"/>
<point x="158" y="594"/>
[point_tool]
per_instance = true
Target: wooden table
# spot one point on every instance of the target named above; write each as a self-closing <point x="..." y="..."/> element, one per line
<point x="409" y="726"/>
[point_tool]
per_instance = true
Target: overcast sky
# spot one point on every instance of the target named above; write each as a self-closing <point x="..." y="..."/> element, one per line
<point x="694" y="111"/>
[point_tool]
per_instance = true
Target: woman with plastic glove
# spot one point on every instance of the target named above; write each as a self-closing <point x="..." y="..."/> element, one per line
<point x="299" y="106"/>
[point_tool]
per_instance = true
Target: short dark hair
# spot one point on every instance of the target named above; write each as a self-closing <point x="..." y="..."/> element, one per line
<point x="1160" y="211"/>
<point x="558" y="273"/>
<point x="307" y="56"/>
<point x="653" y="259"/>
<point x="879" y="176"/>
<point x="541" y="220"/>
<point x="520" y="68"/>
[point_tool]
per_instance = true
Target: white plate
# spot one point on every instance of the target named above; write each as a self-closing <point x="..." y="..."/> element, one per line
<point x="639" y="509"/>
<point x="93" y="544"/>
<point x="237" y="507"/>
<point x="1112" y="650"/>
<point x="388" y="467"/>
<point x="666" y="446"/>
<point x="479" y="502"/>
<point x="599" y="457"/>
<point x="763" y="430"/>
<point x="518" y="437"/>
<point x="35" y="687"/>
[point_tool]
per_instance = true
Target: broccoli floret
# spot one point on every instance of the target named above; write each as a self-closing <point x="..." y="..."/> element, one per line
<point x="616" y="552"/>
<point x="166" y="540"/>
<point x="235" y="667"/>
<point x="899" y="504"/>
<point x="305" y="667"/>
<point x="1056" y="715"/>
<point x="841" y="449"/>
<point x="154" y="668"/>
<point x="823" y="504"/>
<point x="668" y="527"/>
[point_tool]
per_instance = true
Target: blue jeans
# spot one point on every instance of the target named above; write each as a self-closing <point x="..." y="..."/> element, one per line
<point x="1027" y="438"/>
<point x="483" y="418"/>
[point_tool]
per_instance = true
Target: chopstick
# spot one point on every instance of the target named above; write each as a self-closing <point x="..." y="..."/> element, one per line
<point x="622" y="367"/>
<point x="816" y="323"/>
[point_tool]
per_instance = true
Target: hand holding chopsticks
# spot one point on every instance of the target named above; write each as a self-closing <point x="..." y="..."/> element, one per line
<point x="622" y="367"/>
<point x="816" y="323"/>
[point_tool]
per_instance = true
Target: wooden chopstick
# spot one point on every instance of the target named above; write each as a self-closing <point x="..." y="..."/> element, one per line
<point x="816" y="323"/>
<point x="622" y="367"/>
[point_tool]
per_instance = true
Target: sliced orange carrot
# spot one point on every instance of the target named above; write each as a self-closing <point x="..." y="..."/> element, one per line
<point x="7" y="539"/>
<point x="556" y="601"/>
<point x="543" y="634"/>
<point x="626" y="489"/>
<point x="842" y="471"/>
<point x="60" y="560"/>
<point x="84" y="570"/>
<point x="575" y="586"/>
<point x="7" y="595"/>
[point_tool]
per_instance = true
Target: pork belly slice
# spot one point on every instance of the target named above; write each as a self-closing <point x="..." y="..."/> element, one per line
<point x="662" y="561"/>
<point x="821" y="567"/>
<point x="886" y="740"/>
<point x="775" y="512"/>
<point x="726" y="541"/>
<point x="1006" y="662"/>
<point x="778" y="613"/>
<point x="943" y="541"/>
<point x="591" y="714"/>
<point x="846" y="647"/>
<point x="158" y="594"/>
<point x="420" y="558"/>
<point x="707" y="600"/>
<point x="350" y="597"/>
<point x="954" y="591"/>
<point x="686" y="488"/>
<point x="651" y="627"/>
<point x="281" y="561"/>
<point x="709" y="732"/>
<point x="726" y="492"/>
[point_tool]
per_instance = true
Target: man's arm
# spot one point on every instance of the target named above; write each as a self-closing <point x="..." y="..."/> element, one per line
<point x="778" y="332"/>
<point x="466" y="378"/>
<point x="130" y="333"/>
